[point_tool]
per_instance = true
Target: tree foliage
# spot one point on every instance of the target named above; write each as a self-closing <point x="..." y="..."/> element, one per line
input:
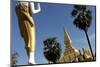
<point x="14" y="59"/>
<point x="52" y="49"/>
<point x="83" y="17"/>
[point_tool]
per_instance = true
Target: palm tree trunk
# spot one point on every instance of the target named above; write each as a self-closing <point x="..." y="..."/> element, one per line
<point x="89" y="44"/>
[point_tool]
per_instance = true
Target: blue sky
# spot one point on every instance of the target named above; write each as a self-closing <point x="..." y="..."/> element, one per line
<point x="50" y="23"/>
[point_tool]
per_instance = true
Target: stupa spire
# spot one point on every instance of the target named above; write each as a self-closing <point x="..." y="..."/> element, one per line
<point x="67" y="39"/>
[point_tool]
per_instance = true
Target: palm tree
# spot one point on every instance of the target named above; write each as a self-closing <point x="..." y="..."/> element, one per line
<point x="52" y="50"/>
<point x="14" y="58"/>
<point x="83" y="17"/>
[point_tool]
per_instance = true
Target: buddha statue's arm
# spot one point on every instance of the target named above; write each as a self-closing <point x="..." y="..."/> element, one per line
<point x="33" y="8"/>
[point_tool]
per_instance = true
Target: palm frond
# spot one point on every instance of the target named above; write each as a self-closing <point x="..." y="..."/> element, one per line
<point x="52" y="52"/>
<point x="80" y="7"/>
<point x="74" y="13"/>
